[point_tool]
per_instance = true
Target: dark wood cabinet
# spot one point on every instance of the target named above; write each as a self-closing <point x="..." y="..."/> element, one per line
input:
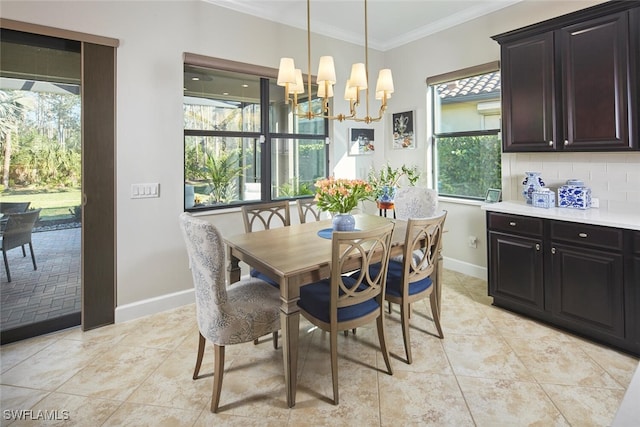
<point x="528" y="93"/>
<point x="632" y="289"/>
<point x="580" y="277"/>
<point x="587" y="285"/>
<point x="569" y="84"/>
<point x="515" y="262"/>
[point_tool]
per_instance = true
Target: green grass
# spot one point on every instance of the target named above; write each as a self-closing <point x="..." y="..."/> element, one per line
<point x="55" y="203"/>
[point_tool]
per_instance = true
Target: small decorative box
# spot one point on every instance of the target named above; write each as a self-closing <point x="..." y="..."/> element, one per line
<point x="574" y="196"/>
<point x="543" y="198"/>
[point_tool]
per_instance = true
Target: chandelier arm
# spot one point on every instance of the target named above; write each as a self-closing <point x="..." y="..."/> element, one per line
<point x="309" y="53"/>
<point x="366" y="56"/>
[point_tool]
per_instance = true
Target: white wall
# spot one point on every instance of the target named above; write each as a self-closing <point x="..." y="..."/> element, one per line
<point x="152" y="268"/>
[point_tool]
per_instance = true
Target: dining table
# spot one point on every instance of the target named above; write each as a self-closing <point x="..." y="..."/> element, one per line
<point x="294" y="256"/>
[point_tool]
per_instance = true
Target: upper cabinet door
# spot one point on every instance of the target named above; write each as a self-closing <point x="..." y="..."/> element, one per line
<point x="528" y="94"/>
<point x="594" y="59"/>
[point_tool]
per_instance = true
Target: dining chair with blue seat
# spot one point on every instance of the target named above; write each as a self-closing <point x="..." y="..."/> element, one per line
<point x="308" y="210"/>
<point x="241" y="313"/>
<point x="264" y="216"/>
<point x="414" y="277"/>
<point x="344" y="302"/>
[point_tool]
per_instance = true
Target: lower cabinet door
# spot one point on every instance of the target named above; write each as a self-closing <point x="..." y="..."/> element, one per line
<point x="515" y="272"/>
<point x="587" y="289"/>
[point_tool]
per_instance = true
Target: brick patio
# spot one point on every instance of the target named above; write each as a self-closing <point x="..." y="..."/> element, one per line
<point x="53" y="290"/>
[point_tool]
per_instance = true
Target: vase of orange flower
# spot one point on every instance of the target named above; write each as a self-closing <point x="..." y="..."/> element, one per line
<point x="339" y="197"/>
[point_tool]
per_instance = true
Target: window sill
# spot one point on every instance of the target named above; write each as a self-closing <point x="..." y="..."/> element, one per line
<point x="457" y="201"/>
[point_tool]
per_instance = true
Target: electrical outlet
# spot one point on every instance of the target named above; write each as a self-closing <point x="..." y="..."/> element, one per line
<point x="595" y="202"/>
<point x="473" y="242"/>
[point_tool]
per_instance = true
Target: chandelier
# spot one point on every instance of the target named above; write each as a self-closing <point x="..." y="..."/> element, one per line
<point x="291" y="78"/>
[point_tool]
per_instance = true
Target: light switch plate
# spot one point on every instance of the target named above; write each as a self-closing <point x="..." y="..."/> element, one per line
<point x="145" y="191"/>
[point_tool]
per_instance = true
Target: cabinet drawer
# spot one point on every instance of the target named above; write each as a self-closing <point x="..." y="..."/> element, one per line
<point x="515" y="224"/>
<point x="584" y="234"/>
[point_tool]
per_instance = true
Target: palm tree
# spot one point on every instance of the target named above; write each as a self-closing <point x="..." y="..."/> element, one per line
<point x="13" y="105"/>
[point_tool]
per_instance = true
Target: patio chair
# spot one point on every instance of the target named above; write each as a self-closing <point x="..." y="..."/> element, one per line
<point x="244" y="311"/>
<point x="13" y="207"/>
<point x="345" y="302"/>
<point x="17" y="233"/>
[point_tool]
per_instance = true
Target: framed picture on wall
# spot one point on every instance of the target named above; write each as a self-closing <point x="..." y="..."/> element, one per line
<point x="361" y="141"/>
<point x="404" y="136"/>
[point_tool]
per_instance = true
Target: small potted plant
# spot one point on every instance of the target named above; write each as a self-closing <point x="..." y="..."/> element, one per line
<point x="385" y="182"/>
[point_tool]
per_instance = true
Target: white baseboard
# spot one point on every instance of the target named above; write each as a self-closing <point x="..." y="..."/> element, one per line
<point x="465" y="268"/>
<point x="161" y="303"/>
<point x="154" y="305"/>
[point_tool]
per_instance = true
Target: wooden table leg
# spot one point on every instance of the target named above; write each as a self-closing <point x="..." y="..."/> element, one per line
<point x="290" y="324"/>
<point x="233" y="269"/>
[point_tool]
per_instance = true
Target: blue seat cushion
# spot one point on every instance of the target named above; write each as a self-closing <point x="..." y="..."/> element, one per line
<point x="315" y="300"/>
<point x="394" y="279"/>
<point x="255" y="273"/>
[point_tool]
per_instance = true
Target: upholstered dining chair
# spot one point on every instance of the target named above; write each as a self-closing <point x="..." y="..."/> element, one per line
<point x="415" y="202"/>
<point x="308" y="210"/>
<point x="16" y="233"/>
<point x="240" y="313"/>
<point x="414" y="278"/>
<point x="344" y="302"/>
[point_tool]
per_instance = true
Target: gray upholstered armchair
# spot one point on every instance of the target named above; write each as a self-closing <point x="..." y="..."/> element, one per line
<point x="240" y="313"/>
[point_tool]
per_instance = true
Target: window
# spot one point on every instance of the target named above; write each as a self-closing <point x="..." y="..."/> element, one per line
<point x="466" y="132"/>
<point x="241" y="142"/>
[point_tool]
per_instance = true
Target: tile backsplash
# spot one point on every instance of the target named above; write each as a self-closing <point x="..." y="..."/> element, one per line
<point x="614" y="178"/>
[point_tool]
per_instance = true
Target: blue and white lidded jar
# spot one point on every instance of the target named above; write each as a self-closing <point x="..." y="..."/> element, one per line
<point x="574" y="194"/>
<point x="544" y="198"/>
<point x="532" y="182"/>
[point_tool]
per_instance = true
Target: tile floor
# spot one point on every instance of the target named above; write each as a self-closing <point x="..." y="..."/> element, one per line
<point x="493" y="368"/>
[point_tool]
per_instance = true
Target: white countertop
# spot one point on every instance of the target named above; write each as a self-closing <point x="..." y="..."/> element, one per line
<point x="619" y="219"/>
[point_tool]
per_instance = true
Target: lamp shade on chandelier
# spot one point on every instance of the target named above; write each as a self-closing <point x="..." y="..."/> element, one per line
<point x="291" y="78"/>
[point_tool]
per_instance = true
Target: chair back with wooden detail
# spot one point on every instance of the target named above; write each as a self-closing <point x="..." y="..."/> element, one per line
<point x="344" y="302"/>
<point x="265" y="216"/>
<point x="413" y="277"/>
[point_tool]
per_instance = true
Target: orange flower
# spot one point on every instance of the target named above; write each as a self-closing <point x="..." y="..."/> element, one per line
<point x="339" y="195"/>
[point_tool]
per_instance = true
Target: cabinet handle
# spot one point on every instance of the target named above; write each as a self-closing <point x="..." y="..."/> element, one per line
<point x="550" y="143"/>
<point x="537" y="246"/>
<point x="566" y="142"/>
<point x="512" y="223"/>
<point x="583" y="235"/>
<point x="553" y="250"/>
